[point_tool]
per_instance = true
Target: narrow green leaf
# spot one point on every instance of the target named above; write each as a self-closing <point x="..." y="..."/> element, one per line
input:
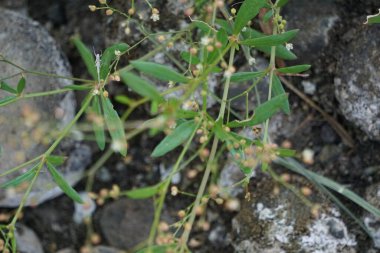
<point x="115" y="126"/>
<point x="246" y="76"/>
<point x="281" y="51"/>
<point x="373" y="19"/>
<point x="271" y="40"/>
<point x="294" y="69"/>
<point x="98" y="126"/>
<point x="298" y="168"/>
<point x="176" y="138"/>
<point x="143" y="193"/>
<point x="61" y="182"/>
<point x="7" y="100"/>
<point x="27" y="176"/>
<point x="56" y="160"/>
<point x="140" y="86"/>
<point x="122" y="99"/>
<point x="21" y="85"/>
<point x="191" y="59"/>
<point x="77" y="87"/>
<point x="109" y="56"/>
<point x="281" y="3"/>
<point x="87" y="56"/>
<point x="247" y="11"/>
<point x="262" y="112"/>
<point x="159" y="71"/>
<point x="6" y="87"/>
<point x="284" y="152"/>
<point x="277" y="90"/>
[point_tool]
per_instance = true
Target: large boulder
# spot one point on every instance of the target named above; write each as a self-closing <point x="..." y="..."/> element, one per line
<point x="29" y="126"/>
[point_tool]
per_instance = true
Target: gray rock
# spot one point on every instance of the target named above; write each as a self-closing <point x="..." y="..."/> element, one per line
<point x="372" y="195"/>
<point x="28" y="127"/>
<point x="27" y="240"/>
<point x="126" y="222"/>
<point x="282" y="223"/>
<point x="314" y="27"/>
<point x="357" y="82"/>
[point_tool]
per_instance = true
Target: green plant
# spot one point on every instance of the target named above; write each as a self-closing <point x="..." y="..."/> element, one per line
<point x="187" y="121"/>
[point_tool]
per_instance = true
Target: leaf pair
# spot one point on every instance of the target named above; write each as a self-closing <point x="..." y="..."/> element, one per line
<point x="107" y="58"/>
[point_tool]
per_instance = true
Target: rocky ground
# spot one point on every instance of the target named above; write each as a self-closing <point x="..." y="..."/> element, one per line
<point x="344" y="81"/>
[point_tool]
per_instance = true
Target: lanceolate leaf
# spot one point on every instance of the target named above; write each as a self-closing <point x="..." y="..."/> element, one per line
<point x="115" y="126"/>
<point x="176" y="138"/>
<point x="278" y="89"/>
<point x="262" y="112"/>
<point x="78" y="87"/>
<point x="206" y="28"/>
<point x="21" y="85"/>
<point x="87" y="56"/>
<point x="98" y="123"/>
<point x="271" y="40"/>
<point x="140" y="86"/>
<point x="6" y="87"/>
<point x="56" y="160"/>
<point x="281" y="51"/>
<point x="27" y="176"/>
<point x="294" y="69"/>
<point x="247" y="11"/>
<point x="159" y="71"/>
<point x="281" y="3"/>
<point x="61" y="182"/>
<point x="246" y="76"/>
<point x="7" y="100"/>
<point x="109" y="56"/>
<point x="143" y="193"/>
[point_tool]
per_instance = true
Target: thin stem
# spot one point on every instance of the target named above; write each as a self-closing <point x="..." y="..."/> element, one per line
<point x="202" y="187"/>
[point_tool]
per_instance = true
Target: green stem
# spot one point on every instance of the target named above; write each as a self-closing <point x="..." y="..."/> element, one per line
<point x="164" y="189"/>
<point x="202" y="187"/>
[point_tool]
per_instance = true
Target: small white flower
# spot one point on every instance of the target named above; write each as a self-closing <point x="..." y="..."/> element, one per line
<point x="244" y="29"/>
<point x="251" y="60"/>
<point x="155" y="17"/>
<point x="117" y="53"/>
<point x="199" y="66"/>
<point x="289" y="46"/>
<point x="127" y="30"/>
<point x="205" y="41"/>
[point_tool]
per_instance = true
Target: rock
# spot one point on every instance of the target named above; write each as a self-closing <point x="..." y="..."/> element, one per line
<point x="27" y="240"/>
<point x="314" y="27"/>
<point x="28" y="127"/>
<point x="357" y="85"/>
<point x="126" y="222"/>
<point x="372" y="195"/>
<point x="283" y="223"/>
